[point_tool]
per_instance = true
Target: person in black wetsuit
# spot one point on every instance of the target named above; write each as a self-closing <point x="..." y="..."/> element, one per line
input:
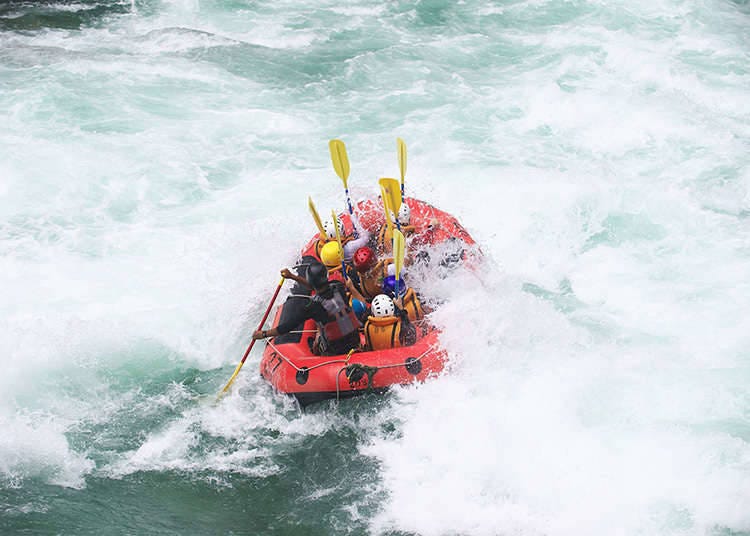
<point x="338" y="326"/>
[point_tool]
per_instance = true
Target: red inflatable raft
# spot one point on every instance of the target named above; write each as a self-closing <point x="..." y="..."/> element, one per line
<point x="288" y="362"/>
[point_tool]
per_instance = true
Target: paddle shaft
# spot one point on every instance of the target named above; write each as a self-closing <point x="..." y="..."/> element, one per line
<point x="341" y="245"/>
<point x="351" y="212"/>
<point x="252" y="343"/>
<point x="401" y="149"/>
<point x="340" y="161"/>
<point x="398" y="256"/>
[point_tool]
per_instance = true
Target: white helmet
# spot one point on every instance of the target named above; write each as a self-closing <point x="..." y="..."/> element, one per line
<point x="382" y="305"/>
<point x="404" y="214"/>
<point x="330" y="229"/>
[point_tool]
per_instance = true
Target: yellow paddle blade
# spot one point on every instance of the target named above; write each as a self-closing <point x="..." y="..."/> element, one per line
<point x="318" y="223"/>
<point x="231" y="380"/>
<point x="386" y="208"/>
<point x="399" y="250"/>
<point x="339" y="159"/>
<point x="401" y="146"/>
<point x="393" y="192"/>
<point x="252" y="343"/>
<point x="336" y="226"/>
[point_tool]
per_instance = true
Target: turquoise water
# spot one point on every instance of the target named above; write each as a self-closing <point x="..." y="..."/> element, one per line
<point x="155" y="160"/>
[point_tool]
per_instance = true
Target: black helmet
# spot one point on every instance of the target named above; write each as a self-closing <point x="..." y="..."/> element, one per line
<point x="317" y="275"/>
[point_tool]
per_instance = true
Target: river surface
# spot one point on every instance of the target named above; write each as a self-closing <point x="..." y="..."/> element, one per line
<point x="155" y="163"/>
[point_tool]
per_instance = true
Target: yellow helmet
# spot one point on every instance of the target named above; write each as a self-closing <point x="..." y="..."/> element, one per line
<point x="331" y="254"/>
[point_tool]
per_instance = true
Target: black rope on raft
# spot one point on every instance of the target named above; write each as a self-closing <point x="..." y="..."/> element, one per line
<point x="354" y="373"/>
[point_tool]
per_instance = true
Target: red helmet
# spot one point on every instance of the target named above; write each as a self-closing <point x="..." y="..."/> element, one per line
<point x="364" y="259"/>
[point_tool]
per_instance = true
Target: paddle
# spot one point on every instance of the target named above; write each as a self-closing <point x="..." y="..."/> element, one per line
<point x="401" y="147"/>
<point x="318" y="223"/>
<point x="341" y="166"/>
<point x="338" y="239"/>
<point x="249" y="348"/>
<point x="393" y="195"/>
<point x="399" y="251"/>
<point x="386" y="208"/>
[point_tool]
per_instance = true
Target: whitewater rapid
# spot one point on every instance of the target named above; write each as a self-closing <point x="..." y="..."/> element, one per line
<point x="155" y="162"/>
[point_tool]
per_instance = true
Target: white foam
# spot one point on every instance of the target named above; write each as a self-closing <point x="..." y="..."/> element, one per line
<point x="149" y="194"/>
<point x="539" y="429"/>
<point x="34" y="446"/>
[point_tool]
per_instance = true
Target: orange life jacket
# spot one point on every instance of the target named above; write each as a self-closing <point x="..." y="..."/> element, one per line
<point x="412" y="306"/>
<point x="371" y="283"/>
<point x="385" y="237"/>
<point x="383" y="332"/>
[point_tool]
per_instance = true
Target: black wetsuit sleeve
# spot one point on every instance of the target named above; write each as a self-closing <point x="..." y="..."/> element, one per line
<point x="313" y="310"/>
